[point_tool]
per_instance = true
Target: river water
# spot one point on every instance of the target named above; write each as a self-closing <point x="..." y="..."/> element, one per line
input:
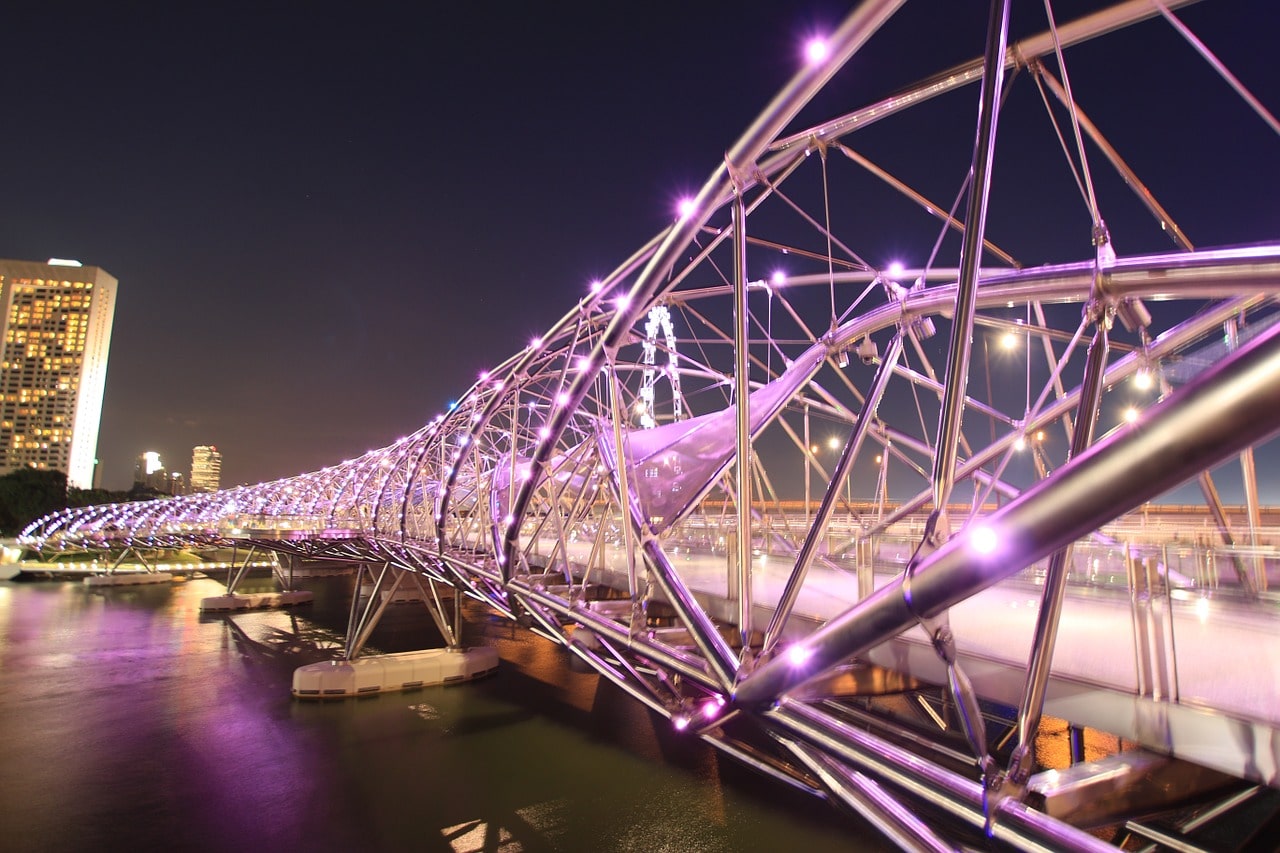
<point x="128" y="721"/>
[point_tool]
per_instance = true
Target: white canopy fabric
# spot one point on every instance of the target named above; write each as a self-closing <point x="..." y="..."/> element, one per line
<point x="671" y="466"/>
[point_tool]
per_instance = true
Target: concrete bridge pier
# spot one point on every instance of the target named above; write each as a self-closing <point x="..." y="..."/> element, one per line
<point x="354" y="675"/>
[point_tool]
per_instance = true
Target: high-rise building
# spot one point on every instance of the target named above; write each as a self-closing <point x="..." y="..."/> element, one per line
<point x="149" y="472"/>
<point x="206" y="468"/>
<point x="55" y="332"/>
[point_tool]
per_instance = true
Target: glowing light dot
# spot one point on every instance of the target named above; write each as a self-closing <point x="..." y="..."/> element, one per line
<point x="833" y="443"/>
<point x="1009" y="340"/>
<point x="535" y="343"/>
<point x="685" y="208"/>
<point x="779" y="278"/>
<point x="545" y="432"/>
<point x="896" y="269"/>
<point x="983" y="540"/>
<point x="484" y="376"/>
<point x="1202" y="609"/>
<point x="680" y="721"/>
<point x="1020" y="443"/>
<point x="799" y="655"/>
<point x="596" y="285"/>
<point x="817" y="51"/>
<point x="562" y="398"/>
<point x="1142" y="380"/>
<point x="1130" y="414"/>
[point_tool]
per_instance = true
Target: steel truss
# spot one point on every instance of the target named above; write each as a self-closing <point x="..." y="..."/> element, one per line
<point x="674" y="557"/>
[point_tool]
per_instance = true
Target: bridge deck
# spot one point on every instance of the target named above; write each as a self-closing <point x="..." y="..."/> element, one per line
<point x="1191" y="672"/>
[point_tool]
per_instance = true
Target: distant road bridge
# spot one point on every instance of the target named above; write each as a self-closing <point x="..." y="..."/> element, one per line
<point x="861" y="524"/>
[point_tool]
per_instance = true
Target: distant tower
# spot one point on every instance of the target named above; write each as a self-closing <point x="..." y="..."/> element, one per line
<point x="55" y="331"/>
<point x="206" y="468"/>
<point x="149" y="472"/>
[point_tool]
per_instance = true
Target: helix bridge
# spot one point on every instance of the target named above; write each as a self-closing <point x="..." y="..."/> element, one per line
<point x="875" y="524"/>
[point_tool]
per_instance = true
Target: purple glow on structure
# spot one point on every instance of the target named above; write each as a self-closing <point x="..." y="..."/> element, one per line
<point x="816" y="51"/>
<point x="685" y="208"/>
<point x="622" y="301"/>
<point x="596" y="285"/>
<point x="984" y="540"/>
<point x="545" y="432"/>
<point x="535" y="343"/>
<point x="680" y="721"/>
<point x="896" y="269"/>
<point x="779" y="278"/>
<point x="798" y="655"/>
<point x="484" y="376"/>
<point x="562" y="397"/>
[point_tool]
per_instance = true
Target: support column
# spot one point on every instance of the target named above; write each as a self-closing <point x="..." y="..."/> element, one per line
<point x="742" y="389"/>
<point x="1055" y="582"/>
<point x="957" y="376"/>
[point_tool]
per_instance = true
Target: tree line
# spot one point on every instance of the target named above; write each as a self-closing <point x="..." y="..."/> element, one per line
<point x="30" y="493"/>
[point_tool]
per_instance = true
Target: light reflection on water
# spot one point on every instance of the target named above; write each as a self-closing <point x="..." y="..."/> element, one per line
<point x="130" y="721"/>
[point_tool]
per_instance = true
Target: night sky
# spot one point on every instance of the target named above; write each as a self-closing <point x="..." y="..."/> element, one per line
<point x="327" y="218"/>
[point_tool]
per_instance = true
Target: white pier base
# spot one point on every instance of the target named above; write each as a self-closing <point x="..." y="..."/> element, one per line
<point x="255" y="600"/>
<point x="386" y="673"/>
<point x="128" y="579"/>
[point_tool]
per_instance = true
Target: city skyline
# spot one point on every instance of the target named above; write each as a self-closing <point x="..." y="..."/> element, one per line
<point x="328" y="238"/>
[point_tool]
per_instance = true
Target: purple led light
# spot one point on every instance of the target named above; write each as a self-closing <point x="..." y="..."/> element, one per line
<point x="816" y="51"/>
<point x="896" y="269"/>
<point x="799" y="655"/>
<point x="984" y="540"/>
<point x="685" y="208"/>
<point x="680" y="721"/>
<point x="779" y="278"/>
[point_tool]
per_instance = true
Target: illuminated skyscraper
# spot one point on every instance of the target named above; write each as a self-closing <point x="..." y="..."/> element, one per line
<point x="149" y="472"/>
<point x="206" y="468"/>
<point x="55" y="332"/>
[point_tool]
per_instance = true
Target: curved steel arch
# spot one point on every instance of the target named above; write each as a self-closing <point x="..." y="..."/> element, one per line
<point x="539" y="492"/>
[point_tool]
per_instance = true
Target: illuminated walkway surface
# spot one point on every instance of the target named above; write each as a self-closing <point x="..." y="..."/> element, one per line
<point x="766" y="346"/>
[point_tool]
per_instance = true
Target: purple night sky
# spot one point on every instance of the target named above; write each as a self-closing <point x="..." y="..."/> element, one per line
<point x="327" y="218"/>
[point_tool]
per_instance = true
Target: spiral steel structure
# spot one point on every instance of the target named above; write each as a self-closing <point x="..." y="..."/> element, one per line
<point x="846" y="643"/>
